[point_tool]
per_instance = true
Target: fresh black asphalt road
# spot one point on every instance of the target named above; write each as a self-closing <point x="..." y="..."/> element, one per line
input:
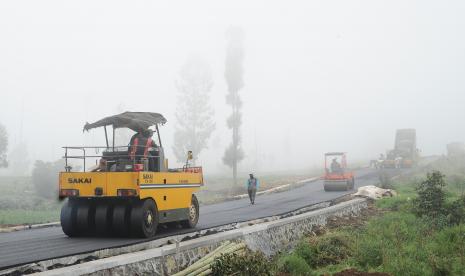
<point x="33" y="245"/>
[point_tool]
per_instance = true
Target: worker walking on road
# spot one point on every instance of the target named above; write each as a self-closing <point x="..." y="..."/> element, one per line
<point x="252" y="187"/>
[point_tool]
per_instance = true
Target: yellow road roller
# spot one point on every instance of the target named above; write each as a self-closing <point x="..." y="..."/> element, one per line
<point x="129" y="190"/>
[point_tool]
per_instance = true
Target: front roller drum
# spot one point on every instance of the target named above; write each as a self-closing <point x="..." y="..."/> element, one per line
<point x="144" y="219"/>
<point x="193" y="215"/>
<point x="338" y="185"/>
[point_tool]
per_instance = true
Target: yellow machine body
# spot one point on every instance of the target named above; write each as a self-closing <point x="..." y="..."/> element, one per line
<point x="389" y="163"/>
<point x="169" y="190"/>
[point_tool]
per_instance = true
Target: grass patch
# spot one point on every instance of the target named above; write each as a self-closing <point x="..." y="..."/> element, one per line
<point x="20" y="204"/>
<point x="394" y="203"/>
<point x="402" y="202"/>
<point x="14" y="217"/>
<point x="332" y="248"/>
<point x="294" y="265"/>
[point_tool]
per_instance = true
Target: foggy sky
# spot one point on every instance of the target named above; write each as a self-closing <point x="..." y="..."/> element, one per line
<point x="319" y="75"/>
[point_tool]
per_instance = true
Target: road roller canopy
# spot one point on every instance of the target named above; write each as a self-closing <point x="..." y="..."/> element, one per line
<point x="334" y="153"/>
<point x="137" y="121"/>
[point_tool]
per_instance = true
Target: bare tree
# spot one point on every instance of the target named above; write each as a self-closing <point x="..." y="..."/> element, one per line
<point x="234" y="78"/>
<point x="3" y="146"/>
<point x="194" y="124"/>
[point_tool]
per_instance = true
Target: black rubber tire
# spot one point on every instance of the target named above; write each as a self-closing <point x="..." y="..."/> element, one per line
<point x="144" y="219"/>
<point x="120" y="219"/>
<point x="85" y="217"/>
<point x="68" y="218"/>
<point x="102" y="218"/>
<point x="192" y="220"/>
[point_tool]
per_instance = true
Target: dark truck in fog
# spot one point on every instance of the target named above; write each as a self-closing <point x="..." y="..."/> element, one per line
<point x="405" y="152"/>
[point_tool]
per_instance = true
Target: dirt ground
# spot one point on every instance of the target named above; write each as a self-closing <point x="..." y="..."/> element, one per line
<point x="348" y="221"/>
<point x="355" y="221"/>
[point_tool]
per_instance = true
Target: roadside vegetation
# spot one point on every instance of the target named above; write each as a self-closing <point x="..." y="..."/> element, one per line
<point x="419" y="232"/>
<point x="31" y="199"/>
<point x="21" y="204"/>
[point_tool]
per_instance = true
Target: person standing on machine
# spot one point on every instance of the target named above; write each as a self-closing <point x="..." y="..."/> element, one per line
<point x="140" y="144"/>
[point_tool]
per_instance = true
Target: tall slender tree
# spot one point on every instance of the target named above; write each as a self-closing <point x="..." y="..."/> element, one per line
<point x="234" y="78"/>
<point x="3" y="146"/>
<point x="194" y="115"/>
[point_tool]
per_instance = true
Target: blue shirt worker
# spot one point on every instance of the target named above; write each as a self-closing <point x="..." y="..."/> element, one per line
<point x="252" y="187"/>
